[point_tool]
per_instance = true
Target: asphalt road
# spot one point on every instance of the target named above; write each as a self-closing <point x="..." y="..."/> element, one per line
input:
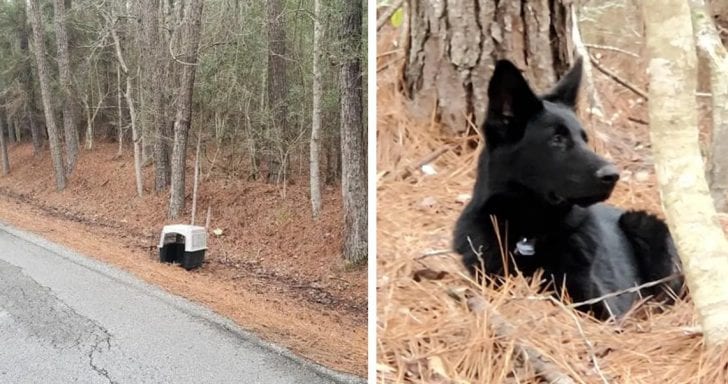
<point x="65" y="318"/>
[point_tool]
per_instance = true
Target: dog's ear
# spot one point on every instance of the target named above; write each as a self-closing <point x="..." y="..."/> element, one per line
<point x="511" y="103"/>
<point x="566" y="90"/>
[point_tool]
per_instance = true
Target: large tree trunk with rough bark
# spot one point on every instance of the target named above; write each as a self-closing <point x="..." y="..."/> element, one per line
<point x="708" y="42"/>
<point x="685" y="195"/>
<point x="452" y="46"/>
<point x="353" y="131"/>
<point x="64" y="73"/>
<point x="155" y="70"/>
<point x="277" y="88"/>
<point x="314" y="163"/>
<point x="190" y="38"/>
<point x="53" y="135"/>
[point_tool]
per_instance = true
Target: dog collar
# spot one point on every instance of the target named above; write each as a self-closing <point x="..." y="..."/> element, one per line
<point x="526" y="247"/>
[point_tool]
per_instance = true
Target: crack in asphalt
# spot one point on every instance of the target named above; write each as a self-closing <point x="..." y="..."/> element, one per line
<point x="97" y="347"/>
<point x="45" y="317"/>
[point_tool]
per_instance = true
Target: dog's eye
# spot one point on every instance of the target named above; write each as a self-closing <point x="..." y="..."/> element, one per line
<point x="559" y="140"/>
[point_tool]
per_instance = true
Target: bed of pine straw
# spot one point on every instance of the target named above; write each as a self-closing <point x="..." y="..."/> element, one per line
<point x="435" y="325"/>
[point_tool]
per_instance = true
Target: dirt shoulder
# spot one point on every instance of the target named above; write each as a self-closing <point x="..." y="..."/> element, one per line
<point x="274" y="272"/>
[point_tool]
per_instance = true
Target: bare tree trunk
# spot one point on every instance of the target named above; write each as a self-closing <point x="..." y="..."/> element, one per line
<point x="4" y="150"/>
<point x="452" y="46"/>
<point x="119" y="114"/>
<point x="315" y="178"/>
<point x="277" y="87"/>
<point x="132" y="111"/>
<point x="11" y="130"/>
<point x="135" y="138"/>
<point x="64" y="73"/>
<point x="190" y="38"/>
<point x="53" y="134"/>
<point x="35" y="133"/>
<point x="18" y="134"/>
<point x="709" y="43"/>
<point x="353" y="149"/>
<point x="674" y="134"/>
<point x="153" y="86"/>
<point x="196" y="180"/>
<point x="89" y="125"/>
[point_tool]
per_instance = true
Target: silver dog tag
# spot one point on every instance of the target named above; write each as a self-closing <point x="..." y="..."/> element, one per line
<point x="526" y="247"/>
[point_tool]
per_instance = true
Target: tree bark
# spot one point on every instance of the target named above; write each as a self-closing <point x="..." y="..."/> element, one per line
<point x="196" y="180"/>
<point x="64" y="73"/>
<point x="35" y="134"/>
<point x="452" y="46"/>
<point x="53" y="134"/>
<point x="119" y="112"/>
<point x="709" y="44"/>
<point x="353" y="147"/>
<point x="315" y="178"/>
<point x="136" y="142"/>
<point x="11" y="129"/>
<point x="277" y="87"/>
<point x="190" y="37"/>
<point x="685" y="195"/>
<point x="4" y="150"/>
<point x="123" y="67"/>
<point x="154" y="85"/>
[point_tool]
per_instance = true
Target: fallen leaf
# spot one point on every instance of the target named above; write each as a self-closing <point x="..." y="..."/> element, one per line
<point x="428" y="170"/>
<point x="428" y="274"/>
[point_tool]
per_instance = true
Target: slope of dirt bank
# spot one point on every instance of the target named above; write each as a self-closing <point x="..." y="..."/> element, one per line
<point x="274" y="270"/>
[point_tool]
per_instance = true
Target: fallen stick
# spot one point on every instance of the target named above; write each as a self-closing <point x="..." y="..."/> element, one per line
<point x="616" y="78"/>
<point x="407" y="171"/>
<point x="502" y="328"/>
<point x="610" y="48"/>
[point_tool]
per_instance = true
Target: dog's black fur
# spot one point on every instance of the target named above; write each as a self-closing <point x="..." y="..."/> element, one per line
<point x="539" y="180"/>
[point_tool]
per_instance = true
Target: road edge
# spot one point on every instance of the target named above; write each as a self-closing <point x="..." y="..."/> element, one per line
<point x="182" y="303"/>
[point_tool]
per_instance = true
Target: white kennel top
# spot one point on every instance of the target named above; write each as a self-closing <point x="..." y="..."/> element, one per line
<point x="195" y="237"/>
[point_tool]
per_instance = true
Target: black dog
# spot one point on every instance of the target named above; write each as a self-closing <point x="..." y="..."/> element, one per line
<point x="537" y="199"/>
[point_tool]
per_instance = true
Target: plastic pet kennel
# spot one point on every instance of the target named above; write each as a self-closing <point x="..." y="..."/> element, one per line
<point x="183" y="244"/>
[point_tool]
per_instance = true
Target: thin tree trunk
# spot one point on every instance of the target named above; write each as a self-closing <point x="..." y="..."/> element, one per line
<point x="315" y="178"/>
<point x="18" y="134"/>
<point x="353" y="149"/>
<point x="132" y="111"/>
<point x="196" y="179"/>
<point x="144" y="121"/>
<point x="4" y="150"/>
<point x="190" y="38"/>
<point x="120" y="122"/>
<point x="53" y="134"/>
<point x="135" y="138"/>
<point x="35" y="135"/>
<point x="674" y="134"/>
<point x="277" y="88"/>
<point x="709" y="43"/>
<point x="64" y="73"/>
<point x="11" y="129"/>
<point x="29" y="108"/>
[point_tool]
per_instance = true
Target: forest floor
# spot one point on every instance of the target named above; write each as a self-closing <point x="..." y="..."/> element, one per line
<point x="436" y="325"/>
<point x="274" y="270"/>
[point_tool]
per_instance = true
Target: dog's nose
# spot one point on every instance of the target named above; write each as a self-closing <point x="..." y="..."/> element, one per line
<point x="608" y="174"/>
